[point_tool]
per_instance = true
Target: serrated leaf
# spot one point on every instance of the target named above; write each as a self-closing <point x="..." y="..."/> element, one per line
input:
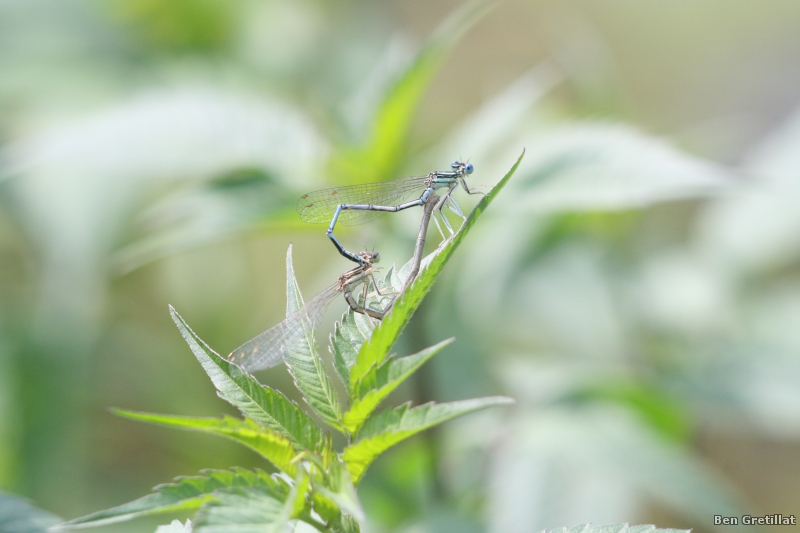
<point x="617" y="528"/>
<point x="303" y="360"/>
<point x="266" y="509"/>
<point x="383" y="151"/>
<point x="274" y="447"/>
<point x="266" y="406"/>
<point x="380" y="381"/>
<point x="392" y="426"/>
<point x="183" y="494"/>
<point x="19" y="515"/>
<point x="311" y="378"/>
<point x="375" y="351"/>
<point x="345" y="341"/>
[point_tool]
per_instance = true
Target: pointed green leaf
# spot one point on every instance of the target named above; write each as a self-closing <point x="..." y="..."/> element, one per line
<point x="391" y="426"/>
<point x="345" y="341"/>
<point x="303" y="360"/>
<point x="268" y="407"/>
<point x="183" y="494"/>
<point x="311" y="378"/>
<point x="380" y="381"/>
<point x="375" y="351"/>
<point x="274" y="447"/>
<point x="265" y="509"/>
<point x="384" y="149"/>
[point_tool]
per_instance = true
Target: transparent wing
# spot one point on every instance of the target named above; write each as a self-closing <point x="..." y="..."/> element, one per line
<point x="318" y="207"/>
<point x="269" y="348"/>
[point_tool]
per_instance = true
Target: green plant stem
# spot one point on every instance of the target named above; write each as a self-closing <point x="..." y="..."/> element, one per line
<point x="307" y="518"/>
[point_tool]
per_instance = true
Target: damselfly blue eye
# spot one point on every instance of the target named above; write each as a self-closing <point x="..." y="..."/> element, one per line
<point x="469" y="168"/>
<point x="455" y="164"/>
<point x="376" y="257"/>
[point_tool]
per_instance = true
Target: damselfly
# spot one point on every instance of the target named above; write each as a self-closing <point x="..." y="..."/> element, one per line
<point x="356" y="204"/>
<point x="270" y="347"/>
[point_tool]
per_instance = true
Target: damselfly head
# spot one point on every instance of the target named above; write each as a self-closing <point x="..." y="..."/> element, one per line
<point x="369" y="257"/>
<point x="462" y="168"/>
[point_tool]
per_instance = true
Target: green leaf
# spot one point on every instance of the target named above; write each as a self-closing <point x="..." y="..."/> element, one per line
<point x="383" y="152"/>
<point x="391" y="426"/>
<point x="618" y="528"/>
<point x="264" y="509"/>
<point x="375" y="351"/>
<point x="184" y="494"/>
<point x="345" y="341"/>
<point x="304" y="362"/>
<point x="268" y="407"/>
<point x="18" y="515"/>
<point x="274" y="447"/>
<point x="380" y="381"/>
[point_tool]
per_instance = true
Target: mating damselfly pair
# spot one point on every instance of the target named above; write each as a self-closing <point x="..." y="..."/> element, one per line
<point x="353" y="205"/>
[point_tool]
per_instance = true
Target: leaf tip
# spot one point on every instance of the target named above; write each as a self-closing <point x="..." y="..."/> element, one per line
<point x="174" y="314"/>
<point x="447" y="342"/>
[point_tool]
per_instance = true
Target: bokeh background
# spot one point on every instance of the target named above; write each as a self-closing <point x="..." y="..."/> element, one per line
<point x="636" y="287"/>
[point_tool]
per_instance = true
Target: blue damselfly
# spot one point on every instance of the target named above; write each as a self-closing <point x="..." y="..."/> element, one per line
<point x="356" y="204"/>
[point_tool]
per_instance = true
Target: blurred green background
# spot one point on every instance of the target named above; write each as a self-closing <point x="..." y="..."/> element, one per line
<point x="636" y="287"/>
